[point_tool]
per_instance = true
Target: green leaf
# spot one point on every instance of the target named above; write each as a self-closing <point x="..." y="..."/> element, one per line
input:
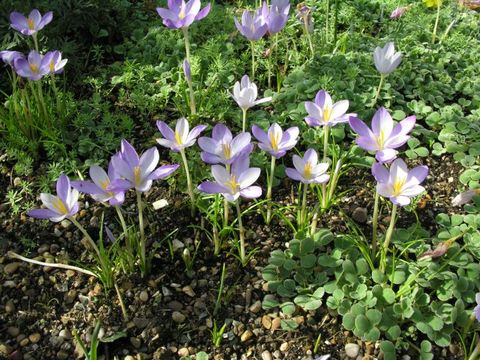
<point x="112" y="338"/>
<point x="374" y="316"/>
<point x="313" y="304"/>
<point x="362" y="266"/>
<point x="388" y="295"/>
<point x="378" y="277"/>
<point x="307" y="246"/>
<point x="308" y="261"/>
<point x="288" y="308"/>
<point x="288" y="324"/>
<point x="362" y="323"/>
<point x="436" y="324"/>
<point x="348" y="321"/>
<point x="269" y="302"/>
<point x="202" y="355"/>
<point x="373" y="335"/>
<point x="289" y="264"/>
<point x="394" y="332"/>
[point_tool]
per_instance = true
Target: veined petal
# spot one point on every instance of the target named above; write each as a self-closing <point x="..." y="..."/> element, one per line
<point x="380" y="172"/>
<point x="339" y="109"/>
<point x="210" y="158"/>
<point x="313" y="110"/>
<point x="195" y="132"/>
<point x="417" y="175"/>
<point x="251" y="192"/>
<point x="412" y="191"/>
<point x="259" y="134"/>
<point x="149" y="161"/>
<point x="299" y="163"/>
<point x="181" y="130"/>
<point x="163" y="172"/>
<point x="211" y="187"/>
<point x="264" y="100"/>
<point x="99" y="177"/>
<point x="166" y="131"/>
<point x="386" y="155"/>
<point x="398" y="171"/>
<point x="63" y="188"/>
<point x="167" y="143"/>
<point x="240" y="142"/>
<point x="400" y="200"/>
<point x="129" y="154"/>
<point x="294" y="174"/>
<point x="48" y="200"/>
<point x="321" y="179"/>
<point x="221" y="133"/>
<point x="192" y="7"/>
<point x="203" y="13"/>
<point x="87" y="187"/>
<point x="208" y="145"/>
<point x="382" y="122"/>
<point x="385" y="189"/>
<point x="360" y="127"/>
<point x="313" y="121"/>
<point x="220" y="174"/>
<point x="323" y="99"/>
<point x="310" y="156"/>
<point x="248" y="177"/>
<point x="42" y="214"/>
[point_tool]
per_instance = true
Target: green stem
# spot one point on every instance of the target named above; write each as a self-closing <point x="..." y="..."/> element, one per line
<point x="382" y="79"/>
<point x="35" y="41"/>
<point x="253" y="60"/>
<point x="244" y="120"/>
<point x="122" y="304"/>
<point x="388" y="237"/>
<point x="335" y="20"/>
<point x="189" y="181"/>
<point x="327" y="16"/>
<point x="434" y="35"/>
<point x="122" y="219"/>
<point x="475" y="352"/>
<point x="189" y="81"/>
<point x="242" y="233"/>
<point x="143" y="262"/>
<point x="375" y="224"/>
<point x="307" y="33"/>
<point x="269" y="190"/>
<point x="89" y="239"/>
<point x="226" y="206"/>
<point x="303" y="211"/>
<point x="325" y="155"/>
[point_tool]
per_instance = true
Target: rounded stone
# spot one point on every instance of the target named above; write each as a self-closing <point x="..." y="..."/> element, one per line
<point x="34" y="338"/>
<point x="11" y="267"/>
<point x="178" y="317"/>
<point x="143" y="296"/>
<point x="352" y="350"/>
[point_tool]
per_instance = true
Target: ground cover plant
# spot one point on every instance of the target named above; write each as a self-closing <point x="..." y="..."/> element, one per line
<point x="231" y="180"/>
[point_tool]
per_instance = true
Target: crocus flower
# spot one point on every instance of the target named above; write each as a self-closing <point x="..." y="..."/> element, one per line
<point x="181" y="15"/>
<point x="385" y="136"/>
<point x="32" y="24"/>
<point x="59" y="207"/>
<point x="476" y="310"/>
<point x="245" y="94"/>
<point x="53" y="59"/>
<point x="8" y="57"/>
<point x="138" y="171"/>
<point x="323" y="112"/>
<point x="386" y="59"/>
<point x="465" y="197"/>
<point x="187" y="70"/>
<point x="253" y="27"/>
<point x="100" y="188"/>
<point x="440" y="250"/>
<point x="32" y="68"/>
<point x="221" y="148"/>
<point x="398" y="12"/>
<point x="304" y="14"/>
<point x="308" y="170"/>
<point x="275" y="141"/>
<point x="276" y="17"/>
<point x="234" y="184"/>
<point x="182" y="137"/>
<point x="400" y="184"/>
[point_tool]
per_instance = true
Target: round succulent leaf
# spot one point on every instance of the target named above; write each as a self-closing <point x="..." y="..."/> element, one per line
<point x="378" y="277"/>
<point x="388" y="295"/>
<point x="348" y="267"/>
<point x="308" y="261"/>
<point x="288" y="324"/>
<point x="332" y="303"/>
<point x="426" y="346"/>
<point x="362" y="266"/>
<point x="360" y="292"/>
<point x="394" y="333"/>
<point x="313" y="304"/>
<point x="323" y="237"/>
<point x="348" y="321"/>
<point x="288" y="308"/>
<point x="290" y="264"/>
<point x="318" y="294"/>
<point x="399" y="277"/>
<point x="289" y="284"/>
<point x="362" y="323"/>
<point x="328" y="261"/>
<point x="283" y="292"/>
<point x="373" y="335"/>
<point x="307" y="246"/>
<point x="358" y="309"/>
<point x="338" y="294"/>
<point x="374" y="316"/>
<point x="269" y="302"/>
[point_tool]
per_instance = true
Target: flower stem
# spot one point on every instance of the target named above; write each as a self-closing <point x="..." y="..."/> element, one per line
<point x="388" y="237"/>
<point x="122" y="304"/>
<point x="269" y="190"/>
<point x="382" y="79"/>
<point x="244" y="119"/>
<point x="253" y="59"/>
<point x="189" y="181"/>
<point x="475" y="352"/>
<point x="242" y="233"/>
<point x="325" y="155"/>
<point x="35" y="41"/>
<point x="375" y="224"/>
<point x="307" y="33"/>
<point x="189" y="81"/>
<point x="327" y="16"/>
<point x="59" y="266"/>
<point x="226" y="206"/>
<point x="434" y="34"/>
<point x="143" y="261"/>
<point x="303" y="210"/>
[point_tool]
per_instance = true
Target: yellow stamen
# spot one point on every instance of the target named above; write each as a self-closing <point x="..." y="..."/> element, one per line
<point x="52" y="66"/>
<point x="381" y="140"/>
<point x="327" y="113"/>
<point x="177" y="138"/>
<point x="104" y="184"/>
<point x="34" y="68"/>
<point x="307" y="170"/>
<point x="398" y="186"/>
<point x="59" y="205"/>
<point x="274" y="140"/>
<point x="181" y="15"/>
<point x="233" y="184"/>
<point x="227" y="151"/>
<point x="137" y="175"/>
<point x="30" y="24"/>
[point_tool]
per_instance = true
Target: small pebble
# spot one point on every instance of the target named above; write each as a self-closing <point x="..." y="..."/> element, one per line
<point x="178" y="317"/>
<point x="136" y="342"/>
<point x="11" y="268"/>
<point x="360" y="215"/>
<point x="13" y="331"/>
<point x="246" y="336"/>
<point x="256" y="307"/>
<point x="266" y="355"/>
<point x="183" y="352"/>
<point x="34" y="338"/>
<point x="352" y="350"/>
<point x="9" y="307"/>
<point x="284" y="347"/>
<point x="189" y="291"/>
<point x="143" y="296"/>
<point x="62" y="355"/>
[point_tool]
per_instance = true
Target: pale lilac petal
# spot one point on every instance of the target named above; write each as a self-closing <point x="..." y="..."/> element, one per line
<point x="251" y="192"/>
<point x="397" y="141"/>
<point x="264" y="100"/>
<point x="313" y="121"/>
<point x="167" y="143"/>
<point x="313" y="110"/>
<point x="220" y="174"/>
<point x="417" y="175"/>
<point x="46" y="19"/>
<point x="323" y="98"/>
<point x="367" y="143"/>
<point x="148" y="161"/>
<point x="360" y="127"/>
<point x="400" y="200"/>
<point x="63" y="188"/>
<point x="129" y="153"/>
<point x="208" y="145"/>
<point x="294" y="174"/>
<point x="167" y="14"/>
<point x="310" y="156"/>
<point x="260" y="135"/>
<point x="144" y="186"/>
<point x="382" y="121"/>
<point x="322" y="179"/>
<point x="211" y="187"/>
<point x="385" y="189"/>
<point x="195" y="132"/>
<point x="380" y="173"/>
<point x="166" y="131"/>
<point x="210" y="158"/>
<point x="182" y="129"/>
<point x="413" y="191"/>
<point x="222" y="133"/>
<point x="86" y="187"/>
<point x="203" y="13"/>
<point x="42" y="214"/>
<point x="386" y="155"/>
<point x="248" y="177"/>
<point x="240" y="142"/>
<point x="339" y="109"/>
<point x="163" y="172"/>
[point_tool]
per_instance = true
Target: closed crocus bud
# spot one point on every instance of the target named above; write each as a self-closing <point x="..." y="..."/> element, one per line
<point x="386" y="59"/>
<point x="398" y="12"/>
<point x="186" y="70"/>
<point x="245" y="94"/>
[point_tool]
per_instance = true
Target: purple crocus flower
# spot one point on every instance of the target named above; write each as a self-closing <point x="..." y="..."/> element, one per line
<point x="53" y="59"/>
<point x="221" y="148"/>
<point x="181" y="15"/>
<point x="276" y="17"/>
<point x="476" y="310"/>
<point x="181" y="138"/>
<point x="32" y="68"/>
<point x="304" y="14"/>
<point x="323" y="112"/>
<point x="385" y="136"/>
<point x="234" y="184"/>
<point x="399" y="184"/>
<point x="245" y="93"/>
<point x="398" y="12"/>
<point x="32" y="24"/>
<point x="276" y="142"/>
<point x="138" y="171"/>
<point x="308" y="170"/>
<point x="59" y="207"/>
<point x="9" y="57"/>
<point x="253" y="27"/>
<point x="100" y="188"/>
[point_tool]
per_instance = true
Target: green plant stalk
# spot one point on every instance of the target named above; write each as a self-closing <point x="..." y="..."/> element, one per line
<point x="244" y="119"/>
<point x="190" y="86"/>
<point x="327" y="17"/>
<point x="42" y="104"/>
<point x="89" y="239"/>
<point x="382" y="79"/>
<point x="143" y="260"/>
<point x="189" y="181"/>
<point x="242" y="233"/>
<point x="375" y="224"/>
<point x="226" y="206"/>
<point x="303" y="211"/>
<point x="35" y="41"/>
<point x="307" y="33"/>
<point x="120" y="300"/>
<point x="53" y="265"/>
<point x="435" y="27"/>
<point x="335" y="20"/>
<point x="216" y="240"/>
<point x="252" y="46"/>
<point x="60" y="109"/>
<point x="475" y="352"/>
<point x="388" y="237"/>
<point x="269" y="190"/>
<point x="325" y="154"/>
<point x="220" y="291"/>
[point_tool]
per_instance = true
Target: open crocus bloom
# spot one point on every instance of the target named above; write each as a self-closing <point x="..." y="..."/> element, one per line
<point x="32" y="68"/>
<point x="31" y="24"/>
<point x="308" y="170"/>
<point x="100" y="187"/>
<point x="221" y="148"/>
<point x="8" y="57"/>
<point x="53" y="60"/>
<point x="386" y="59"/>
<point x="59" y="207"/>
<point x="476" y="310"/>
<point x="181" y="15"/>
<point x="181" y="138"/>
<point x="323" y="112"/>
<point x="275" y="141"/>
<point x="277" y="16"/>
<point x="138" y="171"/>
<point x="234" y="184"/>
<point x="245" y="94"/>
<point x="385" y="136"/>
<point x="399" y="184"/>
<point x="253" y="27"/>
